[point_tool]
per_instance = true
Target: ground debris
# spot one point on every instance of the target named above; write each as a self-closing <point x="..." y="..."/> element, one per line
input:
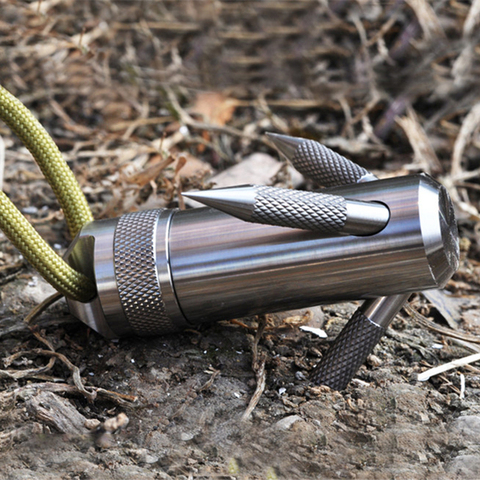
<point x="110" y="426"/>
<point x="56" y="412"/>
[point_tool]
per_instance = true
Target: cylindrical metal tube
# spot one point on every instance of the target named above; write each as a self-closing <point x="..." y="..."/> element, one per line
<point x="222" y="268"/>
<point x="202" y="265"/>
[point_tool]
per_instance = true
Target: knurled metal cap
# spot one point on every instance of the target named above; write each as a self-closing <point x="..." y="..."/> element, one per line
<point x="136" y="274"/>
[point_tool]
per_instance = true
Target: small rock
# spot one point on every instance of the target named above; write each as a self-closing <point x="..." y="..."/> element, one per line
<point x="30" y="210"/>
<point x="186" y="436"/>
<point x="287" y="422"/>
<point x="468" y="426"/>
<point x="92" y="423"/>
<point x="104" y="438"/>
<point x="127" y="472"/>
<point x="465" y="466"/>
<point x="37" y="291"/>
<point x="374" y="361"/>
<point x="422" y="457"/>
<point x="113" y="424"/>
<point x="149" y="459"/>
<point x="142" y="455"/>
<point x="300" y="376"/>
<point x="423" y="417"/>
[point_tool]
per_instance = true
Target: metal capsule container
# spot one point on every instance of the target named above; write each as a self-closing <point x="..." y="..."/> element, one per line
<point x="163" y="270"/>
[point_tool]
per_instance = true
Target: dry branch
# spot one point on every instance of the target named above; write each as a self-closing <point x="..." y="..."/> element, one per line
<point x="258" y="366"/>
<point x="470" y="125"/>
<point x="427" y="18"/>
<point x="420" y="319"/>
<point x="473" y="19"/>
<point x="422" y="377"/>
<point x="424" y="156"/>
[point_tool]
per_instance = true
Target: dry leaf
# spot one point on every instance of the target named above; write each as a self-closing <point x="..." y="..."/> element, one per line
<point x="215" y="107"/>
<point x="115" y="111"/>
<point x="150" y="173"/>
<point x="192" y="167"/>
<point x="448" y="306"/>
<point x="181" y="161"/>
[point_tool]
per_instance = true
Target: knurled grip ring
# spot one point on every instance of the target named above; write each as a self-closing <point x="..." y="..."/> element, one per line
<point x="348" y="352"/>
<point x="136" y="273"/>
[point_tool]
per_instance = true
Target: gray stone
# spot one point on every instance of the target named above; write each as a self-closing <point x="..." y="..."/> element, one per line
<point x="287" y="422"/>
<point x="468" y="426"/>
<point x="465" y="466"/>
<point x="186" y="436"/>
<point x="128" y="472"/>
<point x="142" y="455"/>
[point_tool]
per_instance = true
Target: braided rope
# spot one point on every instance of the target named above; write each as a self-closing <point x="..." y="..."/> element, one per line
<point x="49" y="159"/>
<point x="74" y="204"/>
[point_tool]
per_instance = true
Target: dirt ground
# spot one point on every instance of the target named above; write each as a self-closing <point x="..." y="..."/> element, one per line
<point x="150" y="98"/>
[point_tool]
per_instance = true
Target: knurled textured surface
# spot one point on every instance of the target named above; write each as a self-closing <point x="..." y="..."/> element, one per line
<point x="296" y="209"/>
<point x="325" y="166"/>
<point x="136" y="273"/>
<point x="348" y="352"/>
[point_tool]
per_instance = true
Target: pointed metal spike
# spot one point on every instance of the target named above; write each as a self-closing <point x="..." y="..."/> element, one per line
<point x="327" y="167"/>
<point x="285" y="144"/>
<point x="320" y="212"/>
<point x="237" y="201"/>
<point x="318" y="162"/>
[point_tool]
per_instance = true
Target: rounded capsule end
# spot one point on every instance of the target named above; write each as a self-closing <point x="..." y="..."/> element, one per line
<point x="440" y="231"/>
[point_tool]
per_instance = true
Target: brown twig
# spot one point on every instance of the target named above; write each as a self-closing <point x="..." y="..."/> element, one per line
<point x="15" y="374"/>
<point x="420" y="319"/>
<point x="258" y="366"/>
<point x="41" y="307"/>
<point x="32" y="372"/>
<point x="48" y="353"/>
<point x="26" y="391"/>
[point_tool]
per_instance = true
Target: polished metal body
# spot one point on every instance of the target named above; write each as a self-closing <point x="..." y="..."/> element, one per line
<point x="203" y="265"/>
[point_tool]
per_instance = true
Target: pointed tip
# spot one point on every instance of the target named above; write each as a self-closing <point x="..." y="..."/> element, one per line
<point x="204" y="196"/>
<point x="236" y="201"/>
<point x="191" y="195"/>
<point x="285" y="144"/>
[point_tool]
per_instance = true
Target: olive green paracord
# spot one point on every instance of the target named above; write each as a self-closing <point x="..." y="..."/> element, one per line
<point x="77" y="213"/>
